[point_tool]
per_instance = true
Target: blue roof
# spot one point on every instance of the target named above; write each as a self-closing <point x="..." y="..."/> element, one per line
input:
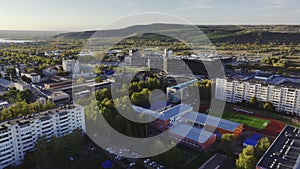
<point x="184" y="85"/>
<point x="192" y="133"/>
<point x="203" y="119"/>
<point x="174" y="111"/>
<point x="107" y="164"/>
<point x="250" y="142"/>
<point x="256" y="137"/>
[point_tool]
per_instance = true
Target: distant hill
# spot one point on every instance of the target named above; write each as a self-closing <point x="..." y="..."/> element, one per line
<point x="239" y="34"/>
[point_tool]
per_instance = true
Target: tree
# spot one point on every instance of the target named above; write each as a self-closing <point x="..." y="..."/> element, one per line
<point x="141" y="98"/>
<point x="262" y="147"/>
<point x="253" y="101"/>
<point x="228" y="138"/>
<point x="24" y="95"/>
<point x="246" y="159"/>
<point x="98" y="79"/>
<point x="268" y="106"/>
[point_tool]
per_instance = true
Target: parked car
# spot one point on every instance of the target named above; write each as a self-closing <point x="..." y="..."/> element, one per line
<point x="153" y="164"/>
<point x="160" y="167"/>
<point x="132" y="164"/>
<point x="118" y="157"/>
<point x="147" y="161"/>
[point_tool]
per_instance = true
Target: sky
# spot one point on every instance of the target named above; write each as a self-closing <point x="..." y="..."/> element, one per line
<point x="78" y="15"/>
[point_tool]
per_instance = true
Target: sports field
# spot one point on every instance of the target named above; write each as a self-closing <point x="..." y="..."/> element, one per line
<point x="248" y="121"/>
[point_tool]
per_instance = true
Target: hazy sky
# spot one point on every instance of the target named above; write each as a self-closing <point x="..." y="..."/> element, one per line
<point x="75" y="15"/>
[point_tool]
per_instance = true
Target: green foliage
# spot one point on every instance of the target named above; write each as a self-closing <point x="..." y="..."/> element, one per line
<point x="98" y="79"/>
<point x="141" y="98"/>
<point x="253" y="101"/>
<point x="24" y="95"/>
<point x="14" y="95"/>
<point x="55" y="152"/>
<point x="246" y="159"/>
<point x="273" y="61"/>
<point x="262" y="147"/>
<point x="268" y="106"/>
<point x="228" y="138"/>
<point x="204" y="88"/>
<point x="22" y="108"/>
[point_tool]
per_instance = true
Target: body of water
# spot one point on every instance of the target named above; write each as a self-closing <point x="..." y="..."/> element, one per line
<point x="4" y="40"/>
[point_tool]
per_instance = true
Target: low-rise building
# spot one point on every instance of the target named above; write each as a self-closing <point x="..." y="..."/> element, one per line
<point x="6" y="83"/>
<point x="284" y="152"/>
<point x="192" y="136"/>
<point x="213" y="124"/>
<point x="34" y="77"/>
<point x="56" y="96"/>
<point x="21" y="85"/>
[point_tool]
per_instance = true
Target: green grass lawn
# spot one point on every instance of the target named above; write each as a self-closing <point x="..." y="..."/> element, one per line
<point x="248" y="121"/>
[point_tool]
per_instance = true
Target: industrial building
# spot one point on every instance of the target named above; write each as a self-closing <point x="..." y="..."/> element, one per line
<point x="18" y="136"/>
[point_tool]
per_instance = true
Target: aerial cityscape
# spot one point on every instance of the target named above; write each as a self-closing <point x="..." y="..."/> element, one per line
<point x="109" y="85"/>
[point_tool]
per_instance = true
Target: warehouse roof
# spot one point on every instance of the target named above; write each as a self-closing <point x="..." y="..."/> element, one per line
<point x="180" y="109"/>
<point x="203" y="119"/>
<point x="190" y="132"/>
<point x="284" y="151"/>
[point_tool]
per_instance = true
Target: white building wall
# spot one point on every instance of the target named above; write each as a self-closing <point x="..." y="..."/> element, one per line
<point x="283" y="99"/>
<point x="16" y="139"/>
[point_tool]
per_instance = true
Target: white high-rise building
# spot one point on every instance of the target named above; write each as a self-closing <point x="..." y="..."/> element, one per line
<point x="19" y="135"/>
<point x="71" y="66"/>
<point x="284" y="99"/>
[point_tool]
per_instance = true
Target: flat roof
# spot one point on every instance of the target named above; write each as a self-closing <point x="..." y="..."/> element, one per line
<point x="5" y="82"/>
<point x="184" y="85"/>
<point x="203" y="119"/>
<point x="158" y="105"/>
<point x="284" y="151"/>
<point x="173" y="111"/>
<point x="190" y="132"/>
<point x="29" y="117"/>
<point x="164" y="115"/>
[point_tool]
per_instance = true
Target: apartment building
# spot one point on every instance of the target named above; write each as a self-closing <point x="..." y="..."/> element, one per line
<point x="19" y="135"/>
<point x="72" y="66"/>
<point x="284" y="99"/>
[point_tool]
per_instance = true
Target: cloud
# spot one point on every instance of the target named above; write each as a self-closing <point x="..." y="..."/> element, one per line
<point x="194" y="4"/>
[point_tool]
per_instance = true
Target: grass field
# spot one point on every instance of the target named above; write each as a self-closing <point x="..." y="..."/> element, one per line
<point x="248" y="121"/>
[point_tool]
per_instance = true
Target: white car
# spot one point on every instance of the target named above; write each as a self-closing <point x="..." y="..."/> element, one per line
<point x="147" y="161"/>
<point x="153" y="164"/>
<point x="132" y="164"/>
